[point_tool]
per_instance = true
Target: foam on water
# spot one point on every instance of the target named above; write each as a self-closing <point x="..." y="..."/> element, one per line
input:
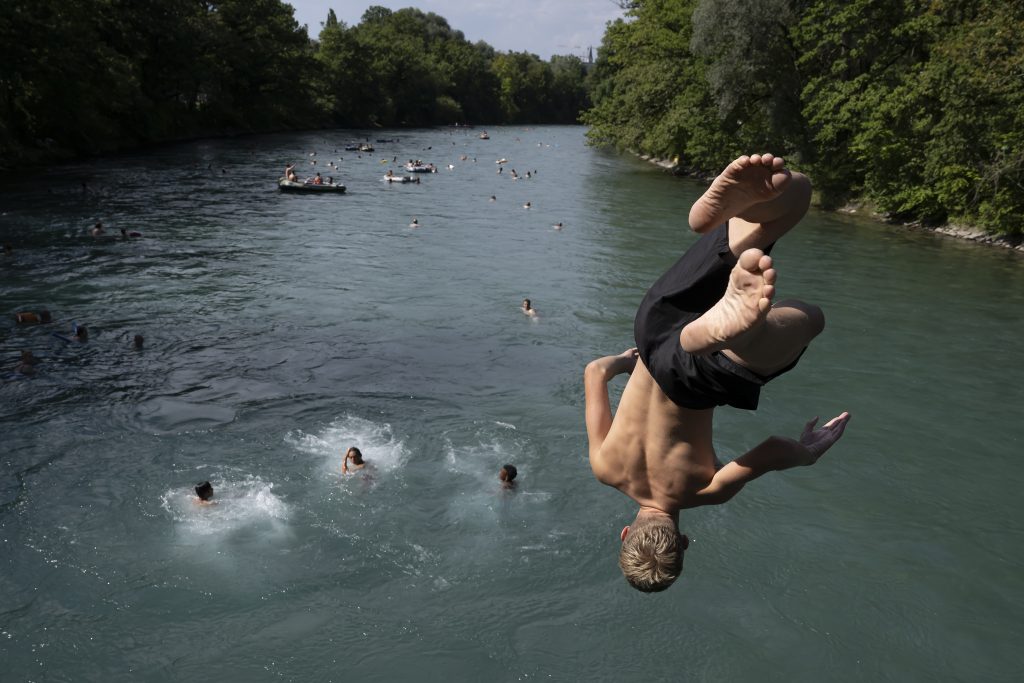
<point x="247" y="502"/>
<point x="382" y="450"/>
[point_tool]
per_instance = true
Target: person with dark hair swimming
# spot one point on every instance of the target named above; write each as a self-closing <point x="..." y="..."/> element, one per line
<point x="707" y="334"/>
<point x="204" y="494"/>
<point x="138" y="341"/>
<point x="507" y="476"/>
<point x="354" y="455"/>
<point x="27" y="365"/>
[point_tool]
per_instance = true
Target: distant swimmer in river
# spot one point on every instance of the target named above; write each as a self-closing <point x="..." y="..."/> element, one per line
<point x="355" y="456"/>
<point x="27" y="364"/>
<point x="557" y="226"/>
<point x="528" y="205"/>
<point x="415" y="223"/>
<point x="204" y="494"/>
<point x="97" y="230"/>
<point x="493" y="198"/>
<point x="528" y="308"/>
<point x="507" y="475"/>
<point x="79" y="333"/>
<point x="32" y="318"/>
<point x="138" y="341"/>
<point x="126" y="234"/>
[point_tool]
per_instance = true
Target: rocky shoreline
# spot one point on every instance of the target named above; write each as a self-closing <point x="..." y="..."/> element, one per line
<point x="963" y="232"/>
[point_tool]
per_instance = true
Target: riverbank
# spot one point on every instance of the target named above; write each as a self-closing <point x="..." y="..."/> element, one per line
<point x="862" y="208"/>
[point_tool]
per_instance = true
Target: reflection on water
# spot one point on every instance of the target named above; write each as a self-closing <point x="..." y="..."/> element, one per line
<point x="280" y="330"/>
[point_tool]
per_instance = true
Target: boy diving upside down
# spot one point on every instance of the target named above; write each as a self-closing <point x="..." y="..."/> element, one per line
<point x="707" y="334"/>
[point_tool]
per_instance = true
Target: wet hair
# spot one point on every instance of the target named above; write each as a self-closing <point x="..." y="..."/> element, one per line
<point x="508" y="473"/>
<point x="358" y="454"/>
<point x="526" y="302"/>
<point x="204" y="490"/>
<point x="651" y="557"/>
<point x="81" y="331"/>
<point x="138" y="341"/>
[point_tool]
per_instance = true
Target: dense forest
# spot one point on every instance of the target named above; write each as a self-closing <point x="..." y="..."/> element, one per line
<point x="914" y="105"/>
<point x="89" y="76"/>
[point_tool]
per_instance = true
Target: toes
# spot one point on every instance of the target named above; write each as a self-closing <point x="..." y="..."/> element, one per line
<point x="751" y="259"/>
<point x="769" y="276"/>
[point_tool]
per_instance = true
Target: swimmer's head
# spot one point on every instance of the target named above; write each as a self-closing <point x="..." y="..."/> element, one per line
<point x="651" y="557"/>
<point x="507" y="474"/>
<point x="204" y="490"/>
<point x="138" y="341"/>
<point x="355" y="454"/>
<point x="81" y="332"/>
<point x="526" y="304"/>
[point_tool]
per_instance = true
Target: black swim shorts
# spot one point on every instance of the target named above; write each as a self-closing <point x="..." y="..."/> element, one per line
<point x="690" y="287"/>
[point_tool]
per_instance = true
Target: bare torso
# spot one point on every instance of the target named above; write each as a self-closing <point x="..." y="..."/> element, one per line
<point x="656" y="452"/>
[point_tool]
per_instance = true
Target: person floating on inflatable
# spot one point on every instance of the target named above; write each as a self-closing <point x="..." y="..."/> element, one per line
<point x="707" y="334"/>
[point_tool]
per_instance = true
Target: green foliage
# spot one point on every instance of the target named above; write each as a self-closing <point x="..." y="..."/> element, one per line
<point x="86" y="76"/>
<point x="917" y="105"/>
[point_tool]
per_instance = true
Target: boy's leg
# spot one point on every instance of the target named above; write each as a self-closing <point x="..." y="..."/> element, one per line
<point x="761" y="199"/>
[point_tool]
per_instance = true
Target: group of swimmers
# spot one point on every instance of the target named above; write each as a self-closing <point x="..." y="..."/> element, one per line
<point x="26" y="365"/>
<point x="352" y="462"/>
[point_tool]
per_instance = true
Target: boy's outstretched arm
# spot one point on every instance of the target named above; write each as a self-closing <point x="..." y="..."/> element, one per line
<point x="595" y="383"/>
<point x="773" y="454"/>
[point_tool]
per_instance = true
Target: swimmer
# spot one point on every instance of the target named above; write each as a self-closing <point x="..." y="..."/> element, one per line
<point x="330" y="180"/>
<point x="204" y="494"/>
<point x="289" y="173"/>
<point x="356" y="456"/>
<point x="528" y="205"/>
<point x="557" y="226"/>
<point x="415" y="223"/>
<point x="27" y="364"/>
<point x="493" y="198"/>
<point x="451" y="166"/>
<point x="31" y="318"/>
<point x="134" y="233"/>
<point x="507" y="475"/>
<point x="138" y="341"/>
<point x="707" y="335"/>
<point x="79" y="333"/>
<point x="528" y="308"/>
<point x="97" y="230"/>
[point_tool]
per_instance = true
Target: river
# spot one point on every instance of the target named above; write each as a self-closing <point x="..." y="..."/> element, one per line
<point x="281" y="329"/>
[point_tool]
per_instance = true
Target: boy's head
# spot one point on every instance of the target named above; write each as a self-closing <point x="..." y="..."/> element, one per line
<point x="651" y="557"/>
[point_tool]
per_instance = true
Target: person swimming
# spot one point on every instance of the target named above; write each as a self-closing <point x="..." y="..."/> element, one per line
<point x="138" y="341"/>
<point x="507" y="475"/>
<point x="97" y="230"/>
<point x="528" y="308"/>
<point x="557" y="226"/>
<point x="356" y="456"/>
<point x="204" y="494"/>
<point x="27" y="364"/>
<point x="32" y="318"/>
<point x="528" y="205"/>
<point x="415" y="223"/>
<point x="125" y="234"/>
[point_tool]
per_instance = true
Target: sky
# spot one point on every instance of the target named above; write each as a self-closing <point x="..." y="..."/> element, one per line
<point x="543" y="27"/>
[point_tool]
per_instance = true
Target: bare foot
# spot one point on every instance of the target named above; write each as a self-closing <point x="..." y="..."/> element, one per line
<point x="744" y="306"/>
<point x="745" y="182"/>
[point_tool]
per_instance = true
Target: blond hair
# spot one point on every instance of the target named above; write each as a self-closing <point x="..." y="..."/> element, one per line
<point x="652" y="555"/>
